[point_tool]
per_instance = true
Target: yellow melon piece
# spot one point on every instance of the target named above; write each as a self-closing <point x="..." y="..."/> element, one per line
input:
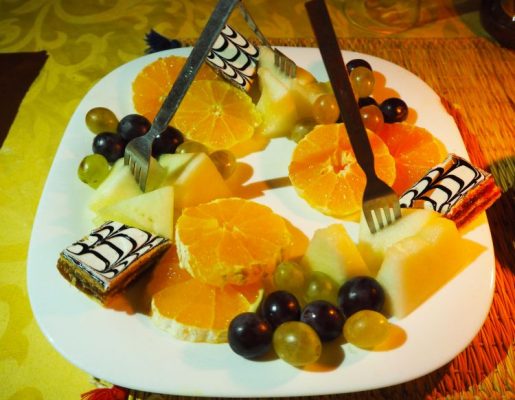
<point x="199" y="182"/>
<point x="373" y="246"/>
<point x="416" y="267"/>
<point x="119" y="185"/>
<point x="150" y="211"/>
<point x="332" y="251"/>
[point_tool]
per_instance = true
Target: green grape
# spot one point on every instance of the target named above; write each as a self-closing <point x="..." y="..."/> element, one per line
<point x="224" y="161"/>
<point x="101" y="119"/>
<point x="372" y="117"/>
<point x="320" y="286"/>
<point x="297" y="343"/>
<point x="325" y="109"/>
<point x="366" y="329"/>
<point x="289" y="276"/>
<point x="362" y="80"/>
<point x="93" y="169"/>
<point x="191" y="147"/>
<point x="301" y="129"/>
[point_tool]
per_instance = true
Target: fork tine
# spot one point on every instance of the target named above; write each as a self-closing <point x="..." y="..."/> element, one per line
<point x="379" y="218"/>
<point x="387" y="212"/>
<point x="370" y="221"/>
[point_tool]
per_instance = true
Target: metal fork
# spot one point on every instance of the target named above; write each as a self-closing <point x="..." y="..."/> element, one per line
<point x="139" y="150"/>
<point x="379" y="199"/>
<point x="285" y="64"/>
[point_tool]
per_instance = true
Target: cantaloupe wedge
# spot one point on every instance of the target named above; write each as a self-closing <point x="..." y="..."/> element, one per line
<point x="150" y="211"/>
<point x="119" y="185"/>
<point x="373" y="246"/>
<point x="199" y="182"/>
<point x="415" y="267"/>
<point x="332" y="251"/>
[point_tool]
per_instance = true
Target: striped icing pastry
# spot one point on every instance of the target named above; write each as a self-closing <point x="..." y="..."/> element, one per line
<point x="110" y="250"/>
<point x="444" y="185"/>
<point x="234" y="57"/>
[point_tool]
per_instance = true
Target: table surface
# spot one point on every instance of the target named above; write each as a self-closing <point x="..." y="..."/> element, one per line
<point x="86" y="40"/>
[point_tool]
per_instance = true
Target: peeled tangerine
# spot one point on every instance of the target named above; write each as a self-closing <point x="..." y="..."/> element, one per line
<point x="332" y="251"/>
<point x="417" y="266"/>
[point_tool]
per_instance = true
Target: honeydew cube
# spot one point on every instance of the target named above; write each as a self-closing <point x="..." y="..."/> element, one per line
<point x="150" y="211"/>
<point x="119" y="185"/>
<point x="373" y="246"/>
<point x="199" y="182"/>
<point x="332" y="251"/>
<point x="416" y="267"/>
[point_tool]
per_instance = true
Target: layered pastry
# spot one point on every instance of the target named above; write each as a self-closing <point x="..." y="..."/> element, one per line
<point x="234" y="57"/>
<point x="109" y="258"/>
<point x="454" y="188"/>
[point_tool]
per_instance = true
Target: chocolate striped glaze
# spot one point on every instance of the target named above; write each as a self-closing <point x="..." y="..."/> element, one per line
<point x="444" y="185"/>
<point x="234" y="57"/>
<point x="110" y="249"/>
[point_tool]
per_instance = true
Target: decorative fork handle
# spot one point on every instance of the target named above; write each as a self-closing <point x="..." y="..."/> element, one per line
<point x="340" y="82"/>
<point x="197" y="56"/>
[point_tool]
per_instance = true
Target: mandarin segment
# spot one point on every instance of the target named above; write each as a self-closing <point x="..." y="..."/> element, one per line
<point x="230" y="241"/>
<point x="325" y="173"/>
<point x="415" y="151"/>
<point x="152" y="84"/>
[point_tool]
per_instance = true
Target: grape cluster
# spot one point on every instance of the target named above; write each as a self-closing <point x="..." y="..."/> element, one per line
<point x="112" y="136"/>
<point x="374" y="115"/>
<point x="307" y="309"/>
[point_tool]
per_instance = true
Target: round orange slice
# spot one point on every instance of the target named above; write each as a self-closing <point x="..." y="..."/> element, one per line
<point x="415" y="151"/>
<point x="153" y="83"/>
<point x="230" y="241"/>
<point x="325" y="173"/>
<point x="217" y="114"/>
<point x="198" y="312"/>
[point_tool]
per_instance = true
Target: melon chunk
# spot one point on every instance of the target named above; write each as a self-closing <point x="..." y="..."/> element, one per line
<point x="332" y="251"/>
<point x="373" y="246"/>
<point x="174" y="165"/>
<point x="416" y="267"/>
<point x="119" y="185"/>
<point x="150" y="211"/>
<point x="199" y="182"/>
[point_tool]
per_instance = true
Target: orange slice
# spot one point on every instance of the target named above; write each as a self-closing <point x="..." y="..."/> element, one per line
<point x="325" y="173"/>
<point x="217" y="114"/>
<point x="198" y="312"/>
<point x="153" y="83"/>
<point x="415" y="151"/>
<point x="230" y="241"/>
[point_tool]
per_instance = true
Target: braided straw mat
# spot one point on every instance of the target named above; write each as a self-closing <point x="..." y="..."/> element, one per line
<point x="475" y="79"/>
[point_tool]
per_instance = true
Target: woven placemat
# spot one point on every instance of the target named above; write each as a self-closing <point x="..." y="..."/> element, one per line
<point x="475" y="80"/>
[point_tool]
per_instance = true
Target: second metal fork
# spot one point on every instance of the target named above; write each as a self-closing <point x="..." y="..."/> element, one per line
<point x="379" y="199"/>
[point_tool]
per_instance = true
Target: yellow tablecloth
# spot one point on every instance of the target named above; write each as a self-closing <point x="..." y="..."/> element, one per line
<point x="86" y="40"/>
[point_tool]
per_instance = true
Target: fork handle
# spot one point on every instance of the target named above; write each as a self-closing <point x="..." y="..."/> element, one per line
<point x="195" y="60"/>
<point x="340" y="82"/>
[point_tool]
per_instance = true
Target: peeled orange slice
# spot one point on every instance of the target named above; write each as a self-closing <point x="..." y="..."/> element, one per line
<point x="415" y="151"/>
<point x="198" y="312"/>
<point x="325" y="173"/>
<point x="153" y="83"/>
<point x="230" y="241"/>
<point x="217" y="114"/>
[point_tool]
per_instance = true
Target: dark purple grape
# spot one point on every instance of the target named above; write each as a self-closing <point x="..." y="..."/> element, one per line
<point x="280" y="306"/>
<point x="167" y="141"/>
<point x="132" y="126"/>
<point x="360" y="293"/>
<point x="325" y="318"/>
<point x="394" y="110"/>
<point x="357" y="62"/>
<point x="367" y="101"/>
<point x="249" y="335"/>
<point x="109" y="145"/>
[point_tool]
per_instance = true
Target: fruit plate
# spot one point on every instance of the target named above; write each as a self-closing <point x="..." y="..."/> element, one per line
<point x="129" y="351"/>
